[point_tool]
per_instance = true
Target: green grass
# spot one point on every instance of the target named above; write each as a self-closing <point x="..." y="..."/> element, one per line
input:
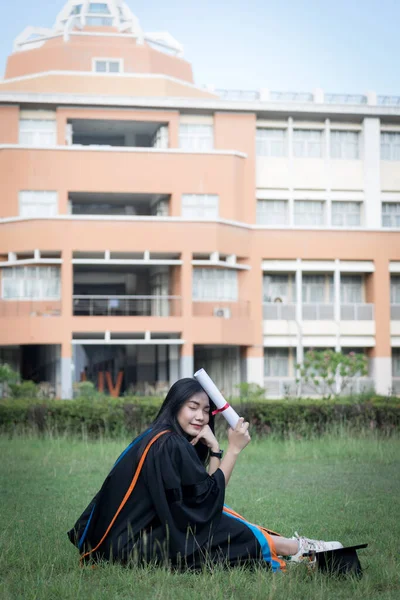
<point x="339" y="487"/>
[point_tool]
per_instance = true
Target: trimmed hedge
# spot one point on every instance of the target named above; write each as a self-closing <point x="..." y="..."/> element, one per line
<point x="121" y="416"/>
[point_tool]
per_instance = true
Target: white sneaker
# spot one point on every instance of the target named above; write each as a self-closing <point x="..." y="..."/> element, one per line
<point x="308" y="548"/>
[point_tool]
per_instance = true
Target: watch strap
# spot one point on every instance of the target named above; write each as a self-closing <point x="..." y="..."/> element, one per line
<point x="217" y="454"/>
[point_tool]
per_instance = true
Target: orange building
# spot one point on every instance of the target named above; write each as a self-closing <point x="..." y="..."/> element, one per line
<point x="149" y="226"/>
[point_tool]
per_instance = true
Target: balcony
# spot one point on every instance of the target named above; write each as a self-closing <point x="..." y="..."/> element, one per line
<point x="318" y="312"/>
<point x="395" y="312"/>
<point x="127" y="306"/>
<point x="119" y="204"/>
<point x="278" y="311"/>
<point x="279" y="387"/>
<point x="357" y="312"/>
<point x="132" y="134"/>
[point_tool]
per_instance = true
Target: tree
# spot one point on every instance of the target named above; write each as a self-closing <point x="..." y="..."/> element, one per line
<point x="329" y="373"/>
<point x="7" y="377"/>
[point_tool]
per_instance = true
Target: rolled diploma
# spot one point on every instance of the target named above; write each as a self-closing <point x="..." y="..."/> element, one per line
<point x="213" y="392"/>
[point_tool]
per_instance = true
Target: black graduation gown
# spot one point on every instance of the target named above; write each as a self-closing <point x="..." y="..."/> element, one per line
<point x="174" y="515"/>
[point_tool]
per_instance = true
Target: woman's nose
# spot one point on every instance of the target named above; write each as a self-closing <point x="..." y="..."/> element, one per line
<point x="199" y="415"/>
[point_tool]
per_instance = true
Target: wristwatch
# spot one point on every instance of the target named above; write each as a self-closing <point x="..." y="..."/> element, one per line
<point x="217" y="454"/>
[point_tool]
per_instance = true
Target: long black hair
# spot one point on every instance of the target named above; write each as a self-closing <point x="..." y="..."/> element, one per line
<point x="179" y="393"/>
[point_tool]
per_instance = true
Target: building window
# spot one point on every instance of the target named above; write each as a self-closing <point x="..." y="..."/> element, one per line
<point x="99" y="21"/>
<point x="276" y="362"/>
<point x="351" y="289"/>
<point x="345" y="144"/>
<point x="272" y="212"/>
<point x="271" y="142"/>
<point x="34" y="132"/>
<point x="107" y="65"/>
<point x="395" y="290"/>
<point x="317" y="289"/>
<point x="200" y="206"/>
<point x="38" y="204"/>
<point x="307" y="143"/>
<point x="196" y="137"/>
<point x="31" y="283"/>
<point x="346" y="214"/>
<point x="309" y="212"/>
<point x="390" y="146"/>
<point x="396" y="362"/>
<point x="215" y="284"/>
<point x="391" y="214"/>
<point x="98" y="8"/>
<point x="76" y="10"/>
<point x="279" y="288"/>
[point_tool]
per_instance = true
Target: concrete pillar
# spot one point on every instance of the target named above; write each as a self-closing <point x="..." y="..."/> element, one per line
<point x="187" y="361"/>
<point x="378" y="292"/>
<point x="291" y="176"/>
<point x="66" y="372"/>
<point x="254" y="360"/>
<point x="372" y="169"/>
<point x="299" y="312"/>
<point x="337" y="302"/>
<point x="173" y="364"/>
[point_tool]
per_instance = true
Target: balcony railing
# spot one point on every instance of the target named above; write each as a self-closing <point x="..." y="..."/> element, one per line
<point x="221" y="310"/>
<point x="318" y="312"/>
<point x="395" y="312"/>
<point x="278" y="311"/>
<point x="345" y="99"/>
<point x="357" y="385"/>
<point x="357" y="312"/>
<point x="240" y="95"/>
<point x="127" y="306"/>
<point x="389" y="100"/>
<point x="30" y="308"/>
<point x="277" y="387"/>
<point x="291" y="97"/>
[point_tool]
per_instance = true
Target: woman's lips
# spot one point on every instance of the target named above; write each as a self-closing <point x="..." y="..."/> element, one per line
<point x="197" y="426"/>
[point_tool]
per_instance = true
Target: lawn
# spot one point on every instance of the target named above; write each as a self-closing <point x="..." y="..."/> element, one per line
<point x="339" y="487"/>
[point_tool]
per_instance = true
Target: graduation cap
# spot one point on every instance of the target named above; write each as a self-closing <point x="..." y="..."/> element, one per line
<point x="342" y="561"/>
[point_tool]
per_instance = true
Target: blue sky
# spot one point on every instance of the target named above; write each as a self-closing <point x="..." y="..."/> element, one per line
<point x="339" y="45"/>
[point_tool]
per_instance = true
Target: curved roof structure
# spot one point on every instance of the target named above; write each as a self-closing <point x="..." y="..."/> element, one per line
<point x="84" y="14"/>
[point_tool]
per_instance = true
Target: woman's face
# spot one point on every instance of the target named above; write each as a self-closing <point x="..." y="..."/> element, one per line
<point x="194" y="414"/>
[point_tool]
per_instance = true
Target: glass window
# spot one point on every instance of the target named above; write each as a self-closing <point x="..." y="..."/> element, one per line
<point x="307" y="143"/>
<point x="196" y="137"/>
<point x="38" y="204"/>
<point x="215" y="284"/>
<point x="271" y="142"/>
<point x="317" y="289"/>
<point x="77" y="9"/>
<point x="276" y="362"/>
<point x="31" y="283"/>
<point x="390" y="145"/>
<point x="99" y="21"/>
<point x="35" y="132"/>
<point x="200" y="206"/>
<point x="309" y="212"/>
<point x="272" y="212"/>
<point x="395" y="290"/>
<point x="107" y="66"/>
<point x="396" y="362"/>
<point x="346" y="214"/>
<point x="390" y="214"/>
<point x="99" y="8"/>
<point x="282" y="287"/>
<point x="345" y="144"/>
<point x="351" y="289"/>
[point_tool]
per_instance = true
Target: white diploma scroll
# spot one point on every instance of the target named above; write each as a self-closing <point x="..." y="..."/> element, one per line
<point x="213" y="392"/>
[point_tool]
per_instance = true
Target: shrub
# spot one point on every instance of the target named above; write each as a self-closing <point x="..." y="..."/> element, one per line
<point x="25" y="389"/>
<point x="117" y="416"/>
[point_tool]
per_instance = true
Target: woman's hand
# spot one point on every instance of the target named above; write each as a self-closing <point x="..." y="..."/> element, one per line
<point x="207" y="437"/>
<point x="239" y="437"/>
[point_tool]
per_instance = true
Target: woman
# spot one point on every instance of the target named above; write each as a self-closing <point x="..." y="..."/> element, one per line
<point x="160" y="504"/>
